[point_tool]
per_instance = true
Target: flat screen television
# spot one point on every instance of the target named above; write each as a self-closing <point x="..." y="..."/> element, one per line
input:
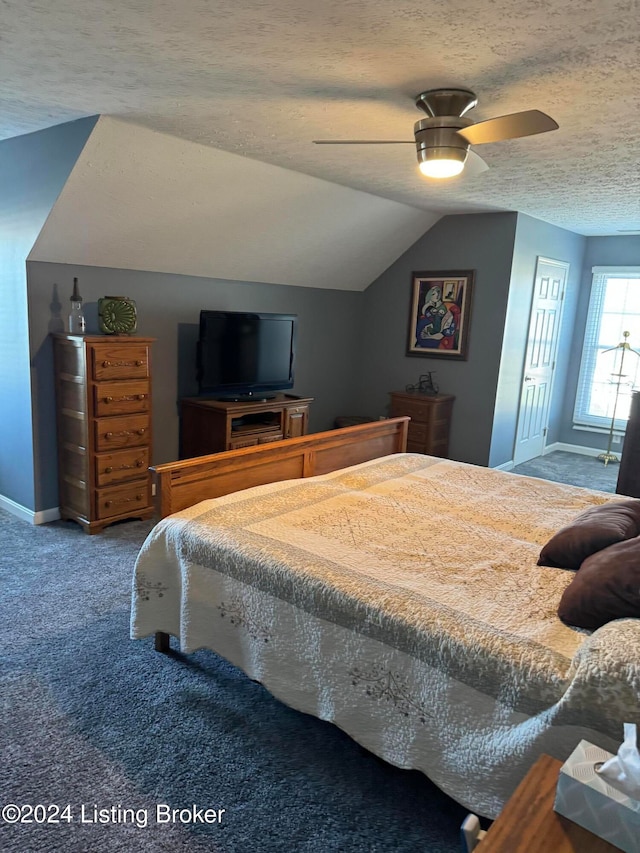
<point x="243" y="355"/>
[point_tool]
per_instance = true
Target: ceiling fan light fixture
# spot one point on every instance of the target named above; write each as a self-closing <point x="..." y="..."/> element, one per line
<point x="444" y="137"/>
<point x="442" y="162"/>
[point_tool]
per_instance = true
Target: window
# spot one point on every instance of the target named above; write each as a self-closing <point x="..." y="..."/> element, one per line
<point x="614" y="308"/>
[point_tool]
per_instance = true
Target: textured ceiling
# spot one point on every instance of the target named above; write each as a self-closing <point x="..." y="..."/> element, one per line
<point x="263" y="79"/>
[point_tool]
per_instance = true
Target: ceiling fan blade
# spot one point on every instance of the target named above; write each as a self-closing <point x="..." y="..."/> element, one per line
<point x="364" y="142"/>
<point x="474" y="165"/>
<point x="512" y="126"/>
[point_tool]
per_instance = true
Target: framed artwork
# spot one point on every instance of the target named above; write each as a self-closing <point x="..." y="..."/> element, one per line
<point x="439" y="314"/>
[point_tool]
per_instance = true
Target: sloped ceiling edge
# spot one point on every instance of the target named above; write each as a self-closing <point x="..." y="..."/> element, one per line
<point x="144" y="200"/>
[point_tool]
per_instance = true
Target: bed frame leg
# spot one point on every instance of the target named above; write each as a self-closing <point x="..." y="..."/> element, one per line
<point x="162" y="642"/>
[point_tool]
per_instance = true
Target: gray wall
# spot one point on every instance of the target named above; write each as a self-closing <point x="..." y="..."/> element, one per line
<point x="600" y="251"/>
<point x="352" y="345"/>
<point x="483" y="243"/>
<point x="533" y="238"/>
<point x="168" y="309"/>
<point x="33" y="170"/>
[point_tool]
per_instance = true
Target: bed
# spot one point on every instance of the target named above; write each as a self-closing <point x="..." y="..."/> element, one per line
<point x="396" y="595"/>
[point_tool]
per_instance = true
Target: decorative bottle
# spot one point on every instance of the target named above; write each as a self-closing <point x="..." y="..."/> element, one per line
<point x="76" y="315"/>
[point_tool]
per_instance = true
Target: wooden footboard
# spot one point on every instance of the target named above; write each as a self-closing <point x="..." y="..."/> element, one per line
<point x="182" y="484"/>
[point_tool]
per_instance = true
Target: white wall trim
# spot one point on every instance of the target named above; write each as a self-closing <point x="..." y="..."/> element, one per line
<point x="47" y="515"/>
<point x="42" y="517"/>
<point x="623" y="271"/>
<point x="557" y="445"/>
<point x="572" y="448"/>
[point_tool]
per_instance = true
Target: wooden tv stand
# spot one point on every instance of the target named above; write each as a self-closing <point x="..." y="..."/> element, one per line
<point x="210" y="426"/>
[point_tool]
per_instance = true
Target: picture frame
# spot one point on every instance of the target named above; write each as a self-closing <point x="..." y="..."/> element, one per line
<point x="440" y="313"/>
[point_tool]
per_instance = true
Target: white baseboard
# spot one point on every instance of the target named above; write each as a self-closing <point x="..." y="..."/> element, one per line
<point x="557" y="445"/>
<point x="47" y="515"/>
<point x="573" y="448"/>
<point x="29" y="515"/>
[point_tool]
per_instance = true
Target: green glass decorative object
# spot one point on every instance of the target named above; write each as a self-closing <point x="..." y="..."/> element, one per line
<point x="117" y="315"/>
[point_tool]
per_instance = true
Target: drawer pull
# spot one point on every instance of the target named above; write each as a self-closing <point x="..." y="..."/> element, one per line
<point x="126" y="398"/>
<point x="137" y="363"/>
<point x="109" y="504"/>
<point x="109" y="435"/>
<point x="138" y="464"/>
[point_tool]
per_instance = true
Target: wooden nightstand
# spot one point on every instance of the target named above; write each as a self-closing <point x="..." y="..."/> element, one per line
<point x="528" y="823"/>
<point x="430" y="420"/>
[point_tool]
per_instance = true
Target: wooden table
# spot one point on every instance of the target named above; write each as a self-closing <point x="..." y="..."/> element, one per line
<point x="528" y="824"/>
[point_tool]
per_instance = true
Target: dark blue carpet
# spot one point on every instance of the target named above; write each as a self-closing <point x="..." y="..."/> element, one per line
<point x="90" y="718"/>
<point x="575" y="469"/>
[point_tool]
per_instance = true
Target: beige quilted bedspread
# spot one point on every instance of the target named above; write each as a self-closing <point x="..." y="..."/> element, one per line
<point x="438" y="560"/>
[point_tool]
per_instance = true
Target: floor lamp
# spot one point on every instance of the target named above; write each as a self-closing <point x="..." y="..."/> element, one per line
<point x="618" y="381"/>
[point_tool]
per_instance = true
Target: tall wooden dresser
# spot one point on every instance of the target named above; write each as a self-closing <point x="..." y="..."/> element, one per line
<point x="103" y="404"/>
<point x="430" y="420"/>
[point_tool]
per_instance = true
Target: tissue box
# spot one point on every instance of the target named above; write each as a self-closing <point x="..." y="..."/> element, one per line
<point x="588" y="800"/>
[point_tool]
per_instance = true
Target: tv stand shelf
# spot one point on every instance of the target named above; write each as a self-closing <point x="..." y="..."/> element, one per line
<point x="255" y="427"/>
<point x="210" y="426"/>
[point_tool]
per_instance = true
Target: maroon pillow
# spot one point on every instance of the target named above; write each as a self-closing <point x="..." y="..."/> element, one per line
<point x="606" y="587"/>
<point x="593" y="530"/>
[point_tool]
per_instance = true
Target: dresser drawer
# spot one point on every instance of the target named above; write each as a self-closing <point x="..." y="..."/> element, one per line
<point x="121" y="398"/>
<point x="113" y="361"/>
<point x="116" y="433"/>
<point x="237" y="443"/>
<point x="72" y="398"/>
<point x="128" y="498"/>
<point x="417" y="433"/>
<point x="417" y="410"/>
<point x="121" y="465"/>
<point x="269" y="437"/>
<point x="72" y="429"/>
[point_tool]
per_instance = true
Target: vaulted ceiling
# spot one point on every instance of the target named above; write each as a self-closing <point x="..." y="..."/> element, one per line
<point x="263" y="79"/>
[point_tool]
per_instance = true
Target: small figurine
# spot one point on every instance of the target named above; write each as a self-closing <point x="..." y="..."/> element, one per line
<point x="427" y="384"/>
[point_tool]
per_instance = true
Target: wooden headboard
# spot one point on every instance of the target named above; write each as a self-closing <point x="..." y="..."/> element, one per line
<point x="182" y="484"/>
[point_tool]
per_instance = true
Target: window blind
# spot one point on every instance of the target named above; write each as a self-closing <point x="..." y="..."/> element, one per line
<point x="614" y="308"/>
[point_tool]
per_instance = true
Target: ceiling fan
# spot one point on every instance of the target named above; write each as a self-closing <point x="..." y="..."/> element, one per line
<point x="443" y="139"/>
